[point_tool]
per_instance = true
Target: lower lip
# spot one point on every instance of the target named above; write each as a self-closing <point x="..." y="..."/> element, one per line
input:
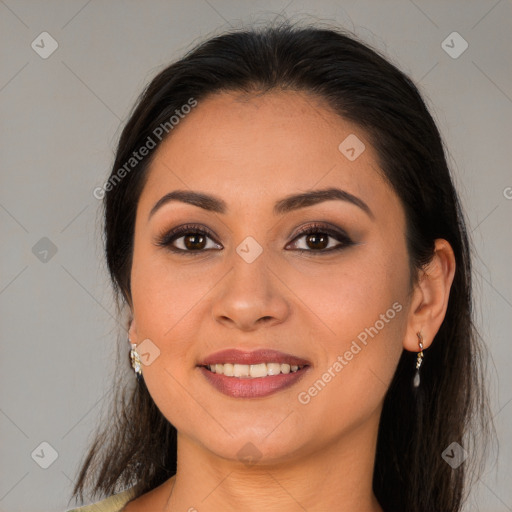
<point x="240" y="387"/>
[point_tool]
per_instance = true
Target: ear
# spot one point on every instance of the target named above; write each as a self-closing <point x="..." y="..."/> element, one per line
<point x="132" y="331"/>
<point x="430" y="297"/>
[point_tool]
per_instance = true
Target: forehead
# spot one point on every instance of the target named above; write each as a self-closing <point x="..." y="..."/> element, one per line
<point x="257" y="148"/>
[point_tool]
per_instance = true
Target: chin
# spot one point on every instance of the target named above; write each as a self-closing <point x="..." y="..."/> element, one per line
<point x="253" y="449"/>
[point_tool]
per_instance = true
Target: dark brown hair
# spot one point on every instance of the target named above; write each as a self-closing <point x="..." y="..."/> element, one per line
<point x="138" y="444"/>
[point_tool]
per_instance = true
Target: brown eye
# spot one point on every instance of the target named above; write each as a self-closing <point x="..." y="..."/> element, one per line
<point x="194" y="241"/>
<point x="321" y="239"/>
<point x="187" y="240"/>
<point x="317" y="240"/>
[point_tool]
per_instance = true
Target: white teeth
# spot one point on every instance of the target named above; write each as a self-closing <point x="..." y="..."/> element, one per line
<point x="228" y="370"/>
<point x="258" y="370"/>
<point x="239" y="370"/>
<point x="273" y="368"/>
<point x="252" y="370"/>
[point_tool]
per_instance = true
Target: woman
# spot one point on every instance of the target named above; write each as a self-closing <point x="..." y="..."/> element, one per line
<point x="281" y="225"/>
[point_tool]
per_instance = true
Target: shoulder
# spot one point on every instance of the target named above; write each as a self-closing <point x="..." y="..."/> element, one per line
<point x="114" y="503"/>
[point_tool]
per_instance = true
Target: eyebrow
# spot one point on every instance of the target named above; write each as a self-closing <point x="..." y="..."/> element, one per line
<point x="289" y="203"/>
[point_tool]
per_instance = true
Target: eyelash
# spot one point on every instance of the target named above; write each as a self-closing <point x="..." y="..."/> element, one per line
<point x="167" y="238"/>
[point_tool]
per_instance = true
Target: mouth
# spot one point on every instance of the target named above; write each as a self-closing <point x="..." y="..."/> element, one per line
<point x="256" y="374"/>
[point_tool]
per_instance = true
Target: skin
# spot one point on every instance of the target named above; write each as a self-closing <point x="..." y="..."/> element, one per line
<point x="252" y="151"/>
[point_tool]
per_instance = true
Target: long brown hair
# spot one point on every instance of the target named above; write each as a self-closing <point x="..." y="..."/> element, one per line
<point x="137" y="444"/>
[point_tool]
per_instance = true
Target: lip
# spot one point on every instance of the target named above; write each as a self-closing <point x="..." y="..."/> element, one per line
<point x="235" y="356"/>
<point x="257" y="387"/>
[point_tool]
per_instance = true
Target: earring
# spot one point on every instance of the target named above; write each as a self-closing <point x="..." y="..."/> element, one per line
<point x="135" y="360"/>
<point x="419" y="360"/>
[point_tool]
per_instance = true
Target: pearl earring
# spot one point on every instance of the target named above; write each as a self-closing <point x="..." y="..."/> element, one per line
<point x="419" y="360"/>
<point x="135" y="361"/>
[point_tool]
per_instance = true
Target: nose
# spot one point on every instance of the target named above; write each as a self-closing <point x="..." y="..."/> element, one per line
<point x="250" y="296"/>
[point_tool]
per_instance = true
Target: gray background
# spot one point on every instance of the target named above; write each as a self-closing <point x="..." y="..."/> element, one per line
<point x="60" y="119"/>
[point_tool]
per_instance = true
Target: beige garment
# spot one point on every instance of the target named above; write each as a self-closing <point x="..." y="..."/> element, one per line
<point x="114" y="503"/>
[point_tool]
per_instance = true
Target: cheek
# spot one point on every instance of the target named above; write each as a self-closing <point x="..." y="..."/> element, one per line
<point x="361" y="316"/>
<point x="161" y="293"/>
<point x="165" y="306"/>
<point x="346" y="298"/>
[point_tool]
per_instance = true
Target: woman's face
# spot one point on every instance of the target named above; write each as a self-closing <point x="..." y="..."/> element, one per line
<point x="247" y="286"/>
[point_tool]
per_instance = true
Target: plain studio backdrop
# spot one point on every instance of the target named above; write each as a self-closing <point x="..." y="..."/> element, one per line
<point x="70" y="73"/>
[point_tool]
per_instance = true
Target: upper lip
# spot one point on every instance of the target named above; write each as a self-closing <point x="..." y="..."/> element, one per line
<point x="235" y="356"/>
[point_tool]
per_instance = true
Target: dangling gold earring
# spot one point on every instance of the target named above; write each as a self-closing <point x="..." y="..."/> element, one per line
<point x="135" y="360"/>
<point x="419" y="360"/>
